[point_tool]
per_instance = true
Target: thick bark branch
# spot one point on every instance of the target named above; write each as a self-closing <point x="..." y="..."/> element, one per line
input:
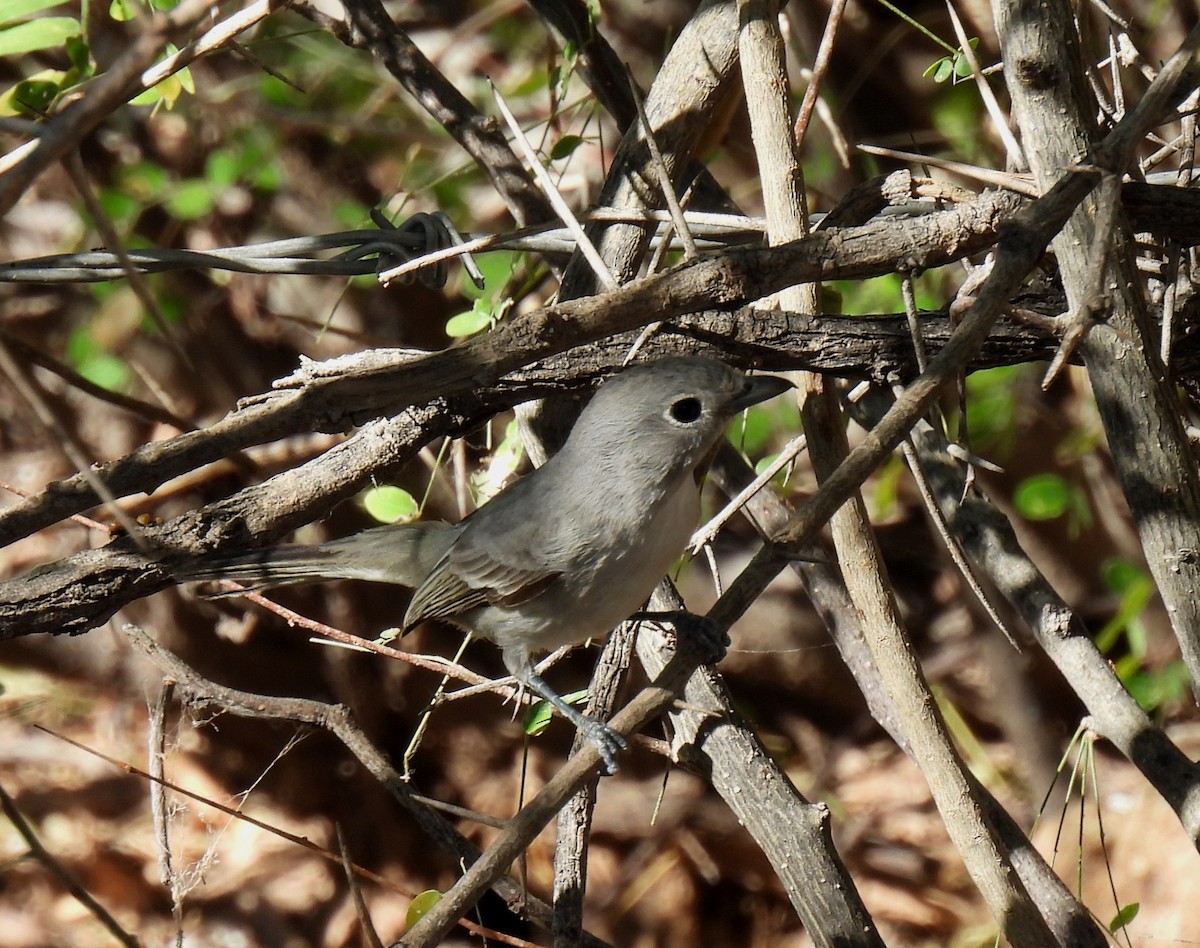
<point x="1140" y="412"/>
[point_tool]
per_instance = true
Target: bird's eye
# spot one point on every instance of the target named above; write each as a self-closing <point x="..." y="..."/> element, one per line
<point x="685" y="410"/>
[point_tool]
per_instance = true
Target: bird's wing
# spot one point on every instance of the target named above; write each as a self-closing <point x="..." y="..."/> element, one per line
<point x="469" y="576"/>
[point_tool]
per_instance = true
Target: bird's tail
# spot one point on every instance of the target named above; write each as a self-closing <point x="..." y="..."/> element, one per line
<point x="403" y="554"/>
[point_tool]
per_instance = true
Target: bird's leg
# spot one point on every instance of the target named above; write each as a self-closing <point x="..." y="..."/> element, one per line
<point x="606" y="741"/>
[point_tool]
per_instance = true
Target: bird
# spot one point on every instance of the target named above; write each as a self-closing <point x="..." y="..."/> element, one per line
<point x="563" y="554"/>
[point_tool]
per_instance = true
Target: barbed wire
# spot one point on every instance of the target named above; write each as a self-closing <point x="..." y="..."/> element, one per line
<point x="420" y="247"/>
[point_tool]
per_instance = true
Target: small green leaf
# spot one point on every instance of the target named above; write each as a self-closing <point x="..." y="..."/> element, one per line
<point x="144" y="180"/>
<point x="420" y="906"/>
<point x="31" y="97"/>
<point x="191" y="200"/>
<point x="268" y="177"/>
<point x="1155" y="688"/>
<point x="751" y="431"/>
<point x="184" y="76"/>
<point x="476" y="319"/>
<point x="390" y="504"/>
<point x="537" y="718"/>
<point x="121" y="10"/>
<point x="151" y="96"/>
<point x="1124" y="917"/>
<point x="1121" y="576"/>
<point x="1042" y="497"/>
<point x="80" y="55"/>
<point x="118" y="205"/>
<point x="349" y="214"/>
<point x="80" y="346"/>
<point x="221" y="168"/>
<point x="538" y="715"/>
<point x="764" y="462"/>
<point x="497" y="269"/>
<point x="166" y="92"/>
<point x="565" y="146"/>
<point x="46" y="32"/>
<point x="494" y="476"/>
<point x="106" y="370"/>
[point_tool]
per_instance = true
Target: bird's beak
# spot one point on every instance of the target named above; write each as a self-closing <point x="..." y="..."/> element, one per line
<point x="759" y="388"/>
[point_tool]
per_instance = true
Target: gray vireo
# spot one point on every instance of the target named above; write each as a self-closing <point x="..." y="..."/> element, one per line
<point x="565" y="553"/>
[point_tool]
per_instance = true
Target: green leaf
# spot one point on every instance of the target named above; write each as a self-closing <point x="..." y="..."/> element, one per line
<point x="167" y="92"/>
<point x="191" y="200"/>
<point x="1124" y="917"/>
<point x="47" y="32"/>
<point x="80" y="55"/>
<point x="221" y="168"/>
<point x="268" y="177"/>
<point x="1121" y="576"/>
<point x="80" y="346"/>
<point x="476" y="319"/>
<point x="106" y="370"/>
<point x="144" y="180"/>
<point x="350" y="214"/>
<point x="993" y="401"/>
<point x="764" y="462"/>
<point x="538" y="715"/>
<point x="118" y="204"/>
<point x="121" y="10"/>
<point x="390" y="504"/>
<point x="565" y="146"/>
<point x="751" y="430"/>
<point x="21" y="9"/>
<point x="31" y="97"/>
<point x="537" y="718"/>
<point x="1042" y="497"/>
<point x="151" y="96"/>
<point x="419" y="907"/>
<point x="497" y="268"/>
<point x="184" y="76"/>
<point x="496" y="474"/>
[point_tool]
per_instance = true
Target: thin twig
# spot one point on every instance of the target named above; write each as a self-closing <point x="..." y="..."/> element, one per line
<point x="112" y="240"/>
<point x="135" y="406"/>
<point x="335" y="719"/>
<point x="370" y="936"/>
<point x="64" y="875"/>
<point x="1020" y="183"/>
<point x="820" y="67"/>
<point x="1016" y="157"/>
<point x="29" y="390"/>
<point x="565" y="214"/>
<point x="159" y="815"/>
<point x="707" y="533"/>
<point x="664" y="176"/>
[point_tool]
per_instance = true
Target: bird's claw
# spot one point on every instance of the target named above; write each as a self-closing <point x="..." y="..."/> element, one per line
<point x="608" y="743"/>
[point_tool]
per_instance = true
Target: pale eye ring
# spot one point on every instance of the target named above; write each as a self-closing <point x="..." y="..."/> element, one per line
<point x="685" y="410"/>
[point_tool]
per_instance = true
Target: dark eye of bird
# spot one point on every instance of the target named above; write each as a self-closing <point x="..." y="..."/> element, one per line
<point x="685" y="410"/>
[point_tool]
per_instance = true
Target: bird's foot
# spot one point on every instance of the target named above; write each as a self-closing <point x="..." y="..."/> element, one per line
<point x="608" y="743"/>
